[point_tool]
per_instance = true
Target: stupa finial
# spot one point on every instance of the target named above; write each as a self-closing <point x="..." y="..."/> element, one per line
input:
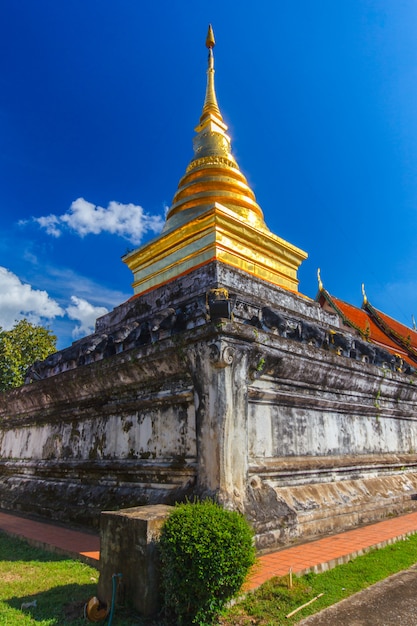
<point x="210" y="106"/>
<point x="210" y="41"/>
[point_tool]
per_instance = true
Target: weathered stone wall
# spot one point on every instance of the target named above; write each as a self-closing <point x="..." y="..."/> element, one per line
<point x="332" y="442"/>
<point x="218" y="384"/>
<point x="117" y="432"/>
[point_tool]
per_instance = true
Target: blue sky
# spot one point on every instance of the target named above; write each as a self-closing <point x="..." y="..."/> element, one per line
<point x="98" y="104"/>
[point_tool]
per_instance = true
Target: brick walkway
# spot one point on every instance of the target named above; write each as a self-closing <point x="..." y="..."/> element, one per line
<point x="323" y="554"/>
<point x="84" y="546"/>
<point x="317" y="555"/>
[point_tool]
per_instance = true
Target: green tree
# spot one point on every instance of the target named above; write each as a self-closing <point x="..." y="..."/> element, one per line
<point x="20" y="347"/>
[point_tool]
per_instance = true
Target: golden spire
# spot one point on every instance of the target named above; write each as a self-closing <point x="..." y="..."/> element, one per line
<point x="210" y="103"/>
<point x="213" y="174"/>
<point x="214" y="216"/>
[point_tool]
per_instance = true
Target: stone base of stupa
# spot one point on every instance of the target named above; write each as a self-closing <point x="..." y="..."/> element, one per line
<point x="217" y="384"/>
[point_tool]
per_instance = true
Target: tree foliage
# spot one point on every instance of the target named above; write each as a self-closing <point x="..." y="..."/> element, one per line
<point x="20" y="347"/>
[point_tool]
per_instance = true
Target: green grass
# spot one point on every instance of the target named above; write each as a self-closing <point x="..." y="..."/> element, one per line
<point x="269" y="605"/>
<point x="62" y="586"/>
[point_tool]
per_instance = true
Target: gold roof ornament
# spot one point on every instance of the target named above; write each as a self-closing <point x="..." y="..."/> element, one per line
<point x="214" y="215"/>
<point x="319" y="279"/>
<point x="365" y="298"/>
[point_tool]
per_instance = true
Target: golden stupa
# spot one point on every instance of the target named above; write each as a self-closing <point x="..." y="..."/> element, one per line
<point x="214" y="216"/>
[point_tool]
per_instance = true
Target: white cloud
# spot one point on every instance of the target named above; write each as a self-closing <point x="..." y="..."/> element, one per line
<point x="51" y="224"/>
<point x="126" y="220"/>
<point x="19" y="300"/>
<point x="70" y="282"/>
<point x="85" y="313"/>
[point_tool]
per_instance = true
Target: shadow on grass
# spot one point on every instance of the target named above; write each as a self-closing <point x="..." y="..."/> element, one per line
<point x="63" y="604"/>
<point x="60" y="605"/>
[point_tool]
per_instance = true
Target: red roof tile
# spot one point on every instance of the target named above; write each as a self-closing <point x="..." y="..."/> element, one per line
<point x="383" y="334"/>
<point x="404" y="333"/>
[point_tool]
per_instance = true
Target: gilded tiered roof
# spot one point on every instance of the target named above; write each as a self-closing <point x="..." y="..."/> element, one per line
<point x="213" y="174"/>
<point x="214" y="215"/>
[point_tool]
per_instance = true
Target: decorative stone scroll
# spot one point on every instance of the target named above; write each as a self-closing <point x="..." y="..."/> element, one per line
<point x="221" y="356"/>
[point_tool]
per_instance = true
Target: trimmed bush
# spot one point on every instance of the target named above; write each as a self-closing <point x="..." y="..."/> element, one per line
<point x="206" y="554"/>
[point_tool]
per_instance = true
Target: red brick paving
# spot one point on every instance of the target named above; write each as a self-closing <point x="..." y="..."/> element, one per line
<point x="82" y="545"/>
<point x="317" y="555"/>
<point x="325" y="553"/>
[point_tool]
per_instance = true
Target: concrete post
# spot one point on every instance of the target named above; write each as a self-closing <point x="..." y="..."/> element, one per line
<point x="129" y="547"/>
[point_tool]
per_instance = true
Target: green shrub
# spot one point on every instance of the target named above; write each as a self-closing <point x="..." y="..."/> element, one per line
<point x="206" y="554"/>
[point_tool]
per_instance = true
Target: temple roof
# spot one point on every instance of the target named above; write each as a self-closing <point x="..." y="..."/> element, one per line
<point x="373" y="326"/>
<point x="403" y="336"/>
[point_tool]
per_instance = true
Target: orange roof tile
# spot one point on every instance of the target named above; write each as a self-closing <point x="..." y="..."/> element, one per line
<point x="364" y="322"/>
<point x="407" y="334"/>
